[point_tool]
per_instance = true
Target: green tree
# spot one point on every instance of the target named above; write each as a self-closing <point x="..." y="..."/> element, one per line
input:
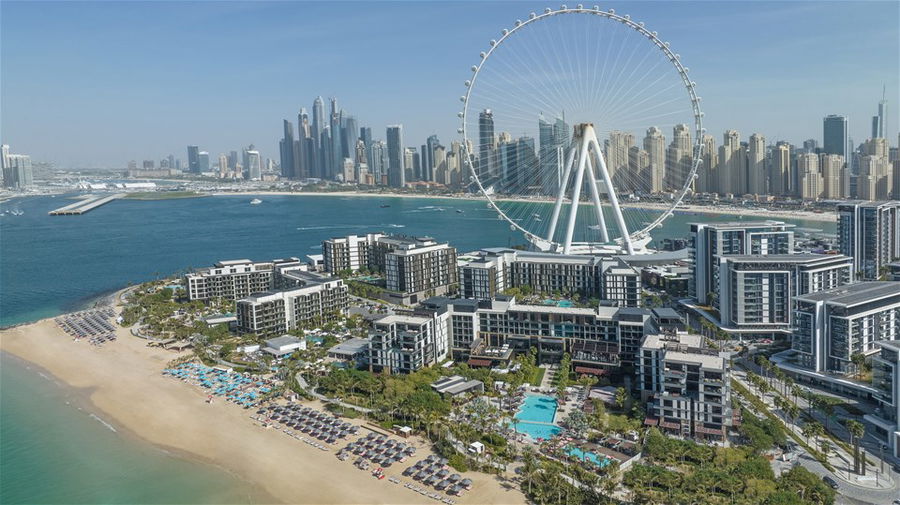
<point x="857" y="432"/>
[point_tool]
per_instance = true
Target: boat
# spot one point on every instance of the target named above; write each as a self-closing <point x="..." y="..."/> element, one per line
<point x="384" y="206"/>
<point x="255" y="201"/>
<point x="459" y="211"/>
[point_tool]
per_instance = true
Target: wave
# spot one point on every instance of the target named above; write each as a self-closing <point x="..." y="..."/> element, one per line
<point x="396" y="225"/>
<point x="104" y="423"/>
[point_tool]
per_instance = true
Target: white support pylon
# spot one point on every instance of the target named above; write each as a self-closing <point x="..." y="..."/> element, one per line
<point x="584" y="145"/>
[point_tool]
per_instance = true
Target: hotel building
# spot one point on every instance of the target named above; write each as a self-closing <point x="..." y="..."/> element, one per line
<point x="599" y="340"/>
<point x="869" y="232"/>
<point x="685" y="385"/>
<point x="487" y="273"/>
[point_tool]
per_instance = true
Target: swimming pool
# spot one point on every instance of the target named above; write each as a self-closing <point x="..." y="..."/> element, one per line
<point x="535" y="417"/>
<point x="559" y="303"/>
<point x="537" y="431"/>
<point x="600" y="461"/>
<point x="537" y="408"/>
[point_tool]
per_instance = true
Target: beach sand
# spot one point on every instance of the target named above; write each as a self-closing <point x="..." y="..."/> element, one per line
<point x="826" y="217"/>
<point x="123" y="381"/>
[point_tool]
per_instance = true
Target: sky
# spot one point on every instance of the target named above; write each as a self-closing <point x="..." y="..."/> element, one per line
<point x="96" y="84"/>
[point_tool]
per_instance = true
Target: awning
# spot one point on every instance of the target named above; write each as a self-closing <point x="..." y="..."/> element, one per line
<point x="590" y="370"/>
<point x="651" y="421"/>
<point x="708" y="431"/>
<point x="671" y="426"/>
<point x="479" y="362"/>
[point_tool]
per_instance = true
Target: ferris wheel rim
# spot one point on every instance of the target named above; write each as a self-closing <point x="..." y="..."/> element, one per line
<point x="638" y="27"/>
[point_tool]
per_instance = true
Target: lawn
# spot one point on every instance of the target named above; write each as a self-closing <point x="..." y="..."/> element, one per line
<point x="537" y="377"/>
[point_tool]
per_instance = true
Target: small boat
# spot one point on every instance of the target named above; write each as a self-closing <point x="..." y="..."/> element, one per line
<point x="459" y="211"/>
<point x="255" y="201"/>
<point x="384" y="206"/>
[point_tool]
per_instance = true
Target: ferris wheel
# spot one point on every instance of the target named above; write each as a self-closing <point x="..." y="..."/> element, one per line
<point x="582" y="129"/>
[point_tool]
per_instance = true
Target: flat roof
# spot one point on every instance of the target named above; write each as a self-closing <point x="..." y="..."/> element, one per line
<point x="658" y="341"/>
<point x="394" y="318"/>
<point x="283" y="340"/>
<point x="352" y="346"/>
<point x="781" y="258"/>
<point x="855" y="294"/>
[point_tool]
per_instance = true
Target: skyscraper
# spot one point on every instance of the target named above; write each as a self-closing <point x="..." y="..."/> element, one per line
<point x="396" y="168"/>
<point x="834" y="135"/>
<point x="811" y="182"/>
<point x="618" y="149"/>
<point x="679" y="157"/>
<point x="286" y="146"/>
<point x="486" y="146"/>
<point x="655" y="145"/>
<point x="756" y="165"/>
<point x="254" y="169"/>
<point x="193" y="153"/>
<point x="706" y="182"/>
<point x="202" y="162"/>
<point x="731" y="161"/>
<point x="378" y="154"/>
<point x="780" y="169"/>
<point x="869" y="232"/>
<point x="879" y="121"/>
<point x="428" y="162"/>
<point x="17" y="171"/>
<point x="832" y="167"/>
<point x="554" y="140"/>
<point x="223" y="165"/>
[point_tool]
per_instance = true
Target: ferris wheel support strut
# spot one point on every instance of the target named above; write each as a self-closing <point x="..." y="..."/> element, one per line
<point x="595" y="195"/>
<point x="559" y="197"/>
<point x="585" y="139"/>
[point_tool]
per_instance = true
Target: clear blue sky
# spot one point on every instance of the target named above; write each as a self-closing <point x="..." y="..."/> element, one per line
<point x="98" y="84"/>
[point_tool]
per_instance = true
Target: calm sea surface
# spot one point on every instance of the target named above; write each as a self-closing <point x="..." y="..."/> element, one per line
<point x="52" y="452"/>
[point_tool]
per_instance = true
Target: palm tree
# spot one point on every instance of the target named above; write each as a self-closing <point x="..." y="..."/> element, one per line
<point x="857" y="431"/>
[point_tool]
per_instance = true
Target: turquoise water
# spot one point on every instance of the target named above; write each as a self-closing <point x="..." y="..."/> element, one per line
<point x="559" y="303"/>
<point x="49" y="265"/>
<point x="54" y="451"/>
<point x="600" y="461"/>
<point x="535" y="417"/>
<point x="537" y="408"/>
<point x="538" y="431"/>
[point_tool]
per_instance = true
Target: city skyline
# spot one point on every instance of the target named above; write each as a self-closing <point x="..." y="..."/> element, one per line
<point x="144" y="101"/>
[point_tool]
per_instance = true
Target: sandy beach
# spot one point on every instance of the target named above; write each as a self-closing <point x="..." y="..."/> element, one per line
<point x="699" y="210"/>
<point x="123" y="381"/>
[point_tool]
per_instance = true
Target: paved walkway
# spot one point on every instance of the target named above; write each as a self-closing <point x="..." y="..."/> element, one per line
<point x="875" y="488"/>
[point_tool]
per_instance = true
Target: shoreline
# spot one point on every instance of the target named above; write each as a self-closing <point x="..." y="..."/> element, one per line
<point x="689" y="209"/>
<point x="122" y="382"/>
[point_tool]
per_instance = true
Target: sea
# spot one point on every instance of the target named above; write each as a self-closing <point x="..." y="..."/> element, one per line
<point x="54" y="448"/>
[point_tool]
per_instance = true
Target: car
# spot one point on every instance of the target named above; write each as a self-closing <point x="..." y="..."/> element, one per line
<point x="831" y="482"/>
<point x="896" y="502"/>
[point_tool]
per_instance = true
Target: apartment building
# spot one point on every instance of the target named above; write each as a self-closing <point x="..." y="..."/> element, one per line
<point x="756" y="291"/>
<point x="231" y="279"/>
<point x="348" y="253"/>
<point x="713" y="241"/>
<point x="404" y="344"/>
<point x="313" y="299"/>
<point x="686" y="386"/>
<point x="869" y="232"/>
<point x="886" y="382"/>
<point x="831" y="326"/>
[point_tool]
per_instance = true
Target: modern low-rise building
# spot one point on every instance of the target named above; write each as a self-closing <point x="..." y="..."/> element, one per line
<point x="832" y="326"/>
<point x="490" y="332"/>
<point x="487" y="273"/>
<point x="354" y="351"/>
<point x="869" y="232"/>
<point x="234" y="279"/>
<point x="456" y="385"/>
<point x="756" y="292"/>
<point x="712" y="241"/>
<point x="314" y="300"/>
<point x="686" y="386"/>
<point x="404" y="344"/>
<point x="414" y="267"/>
<point x="348" y="253"/>
<point x="886" y="382"/>
<point x="284" y="345"/>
